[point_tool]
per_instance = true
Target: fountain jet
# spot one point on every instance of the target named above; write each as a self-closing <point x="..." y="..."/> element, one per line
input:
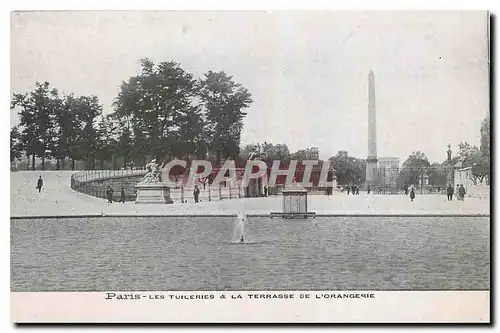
<point x="239" y="228"/>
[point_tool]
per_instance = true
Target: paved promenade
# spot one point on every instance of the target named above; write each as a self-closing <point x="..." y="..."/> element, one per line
<point x="57" y="198"/>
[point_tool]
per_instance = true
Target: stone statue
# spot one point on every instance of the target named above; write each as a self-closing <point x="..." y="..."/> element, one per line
<point x="153" y="175"/>
<point x="257" y="153"/>
<point x="449" y="153"/>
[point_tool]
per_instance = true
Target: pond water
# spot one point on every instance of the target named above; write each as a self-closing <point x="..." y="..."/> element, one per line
<point x="199" y="253"/>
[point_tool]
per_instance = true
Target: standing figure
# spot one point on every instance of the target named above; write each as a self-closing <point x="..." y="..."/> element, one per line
<point x="449" y="192"/>
<point x="405" y="188"/>
<point x="461" y="192"/>
<point x="265" y="191"/>
<point x="196" y="193"/>
<point x="368" y="189"/>
<point x="122" y="196"/>
<point x="348" y="189"/>
<point x="412" y="193"/>
<point x="357" y="190"/>
<point x="457" y="192"/>
<point x="39" y="184"/>
<point x="109" y="194"/>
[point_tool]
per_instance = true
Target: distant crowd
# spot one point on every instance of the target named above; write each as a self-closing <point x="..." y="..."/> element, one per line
<point x="458" y="192"/>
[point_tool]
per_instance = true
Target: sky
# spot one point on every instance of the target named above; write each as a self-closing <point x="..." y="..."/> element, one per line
<point x="307" y="71"/>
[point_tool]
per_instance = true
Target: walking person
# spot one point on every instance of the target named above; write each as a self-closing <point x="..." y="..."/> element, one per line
<point x="368" y="189"/>
<point x="348" y="189"/>
<point x="412" y="193"/>
<point x="109" y="194"/>
<point x="196" y="193"/>
<point x="265" y="191"/>
<point x="39" y="184"/>
<point x="449" y="192"/>
<point x="122" y="195"/>
<point x="406" y="189"/>
<point x="461" y="192"/>
<point x="457" y="192"/>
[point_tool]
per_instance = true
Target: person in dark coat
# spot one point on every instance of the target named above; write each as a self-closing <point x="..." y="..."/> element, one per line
<point x="449" y="192"/>
<point x="109" y="194"/>
<point x="39" y="184"/>
<point x="405" y="189"/>
<point x="265" y="191"/>
<point x="122" y="194"/>
<point x="412" y="193"/>
<point x="196" y="193"/>
<point x="368" y="189"/>
<point x="348" y="189"/>
<point x="357" y="190"/>
<point x="461" y="192"/>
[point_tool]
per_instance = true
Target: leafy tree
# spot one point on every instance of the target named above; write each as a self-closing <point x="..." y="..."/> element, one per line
<point x="437" y="174"/>
<point x="271" y="152"/>
<point x="485" y="137"/>
<point x="124" y="146"/>
<point x="71" y="139"/>
<point x="348" y="169"/>
<point x="473" y="157"/>
<point x="279" y="151"/>
<point x="37" y="113"/>
<point x="64" y="124"/>
<point x="480" y="167"/>
<point x="465" y="151"/>
<point x="107" y="139"/>
<point x="306" y="154"/>
<point x="485" y="147"/>
<point x="88" y="110"/>
<point x="415" y="166"/>
<point x="71" y="143"/>
<point x="190" y="141"/>
<point x="153" y="101"/>
<point x="16" y="145"/>
<point x="223" y="101"/>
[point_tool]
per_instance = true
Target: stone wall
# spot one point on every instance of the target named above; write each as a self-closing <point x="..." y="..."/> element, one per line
<point x="479" y="190"/>
<point x="98" y="187"/>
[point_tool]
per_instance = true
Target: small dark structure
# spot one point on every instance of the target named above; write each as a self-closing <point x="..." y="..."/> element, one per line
<point x="294" y="203"/>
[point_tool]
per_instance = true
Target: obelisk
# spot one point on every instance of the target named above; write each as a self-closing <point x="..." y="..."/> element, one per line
<point x="371" y="160"/>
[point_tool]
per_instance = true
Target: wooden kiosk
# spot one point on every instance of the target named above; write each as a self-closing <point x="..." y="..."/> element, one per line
<point x="294" y="203"/>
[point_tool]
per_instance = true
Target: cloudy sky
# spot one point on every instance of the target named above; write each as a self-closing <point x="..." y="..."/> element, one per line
<point x="307" y="71"/>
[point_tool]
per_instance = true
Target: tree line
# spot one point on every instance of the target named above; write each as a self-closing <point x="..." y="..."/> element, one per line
<point x="163" y="112"/>
<point x="351" y="170"/>
<point x="478" y="159"/>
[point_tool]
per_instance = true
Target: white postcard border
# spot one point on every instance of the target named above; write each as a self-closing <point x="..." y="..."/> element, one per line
<point x="228" y="307"/>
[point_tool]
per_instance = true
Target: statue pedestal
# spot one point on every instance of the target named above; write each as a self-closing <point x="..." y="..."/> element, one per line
<point x="371" y="173"/>
<point x="153" y="193"/>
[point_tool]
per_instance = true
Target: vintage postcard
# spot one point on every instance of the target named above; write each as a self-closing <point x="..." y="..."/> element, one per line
<point x="250" y="167"/>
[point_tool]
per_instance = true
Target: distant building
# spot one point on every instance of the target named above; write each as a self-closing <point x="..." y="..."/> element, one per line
<point x="388" y="168"/>
<point x="388" y="162"/>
